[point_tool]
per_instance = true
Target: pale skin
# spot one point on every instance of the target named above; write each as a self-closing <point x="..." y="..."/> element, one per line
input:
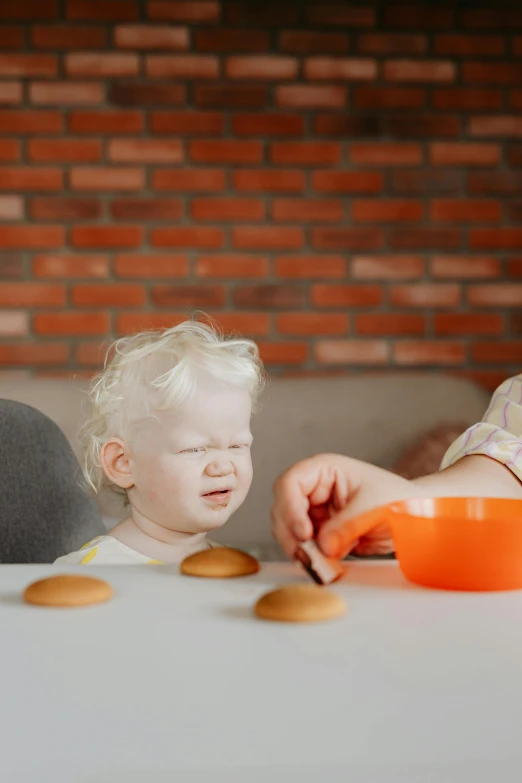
<point x="185" y="472"/>
<point x="322" y="497"/>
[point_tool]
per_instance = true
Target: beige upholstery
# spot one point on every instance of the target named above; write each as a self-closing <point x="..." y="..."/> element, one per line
<point x="372" y="417"/>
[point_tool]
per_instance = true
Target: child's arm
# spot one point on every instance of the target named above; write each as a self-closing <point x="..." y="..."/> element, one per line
<point x="485" y="461"/>
<point x="473" y="475"/>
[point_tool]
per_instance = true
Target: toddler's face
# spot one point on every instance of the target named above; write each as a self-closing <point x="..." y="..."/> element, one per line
<point x="192" y="468"/>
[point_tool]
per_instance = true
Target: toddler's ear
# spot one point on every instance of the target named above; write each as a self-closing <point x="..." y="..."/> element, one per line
<point x="116" y="463"/>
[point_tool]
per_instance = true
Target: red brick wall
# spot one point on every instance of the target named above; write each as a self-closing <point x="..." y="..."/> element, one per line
<point x="339" y="181"/>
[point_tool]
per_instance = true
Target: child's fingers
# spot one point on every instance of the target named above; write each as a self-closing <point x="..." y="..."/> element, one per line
<point x="290" y="508"/>
<point x="286" y="538"/>
<point x="290" y="511"/>
<point x="301" y="494"/>
<point x="341" y="534"/>
<point x="287" y="542"/>
<point x="290" y="521"/>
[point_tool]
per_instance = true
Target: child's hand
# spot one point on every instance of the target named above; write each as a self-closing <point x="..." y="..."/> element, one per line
<point x="306" y="495"/>
<point x="323" y="496"/>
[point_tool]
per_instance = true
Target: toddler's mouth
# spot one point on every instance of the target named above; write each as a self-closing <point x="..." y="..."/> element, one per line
<point x="219" y="497"/>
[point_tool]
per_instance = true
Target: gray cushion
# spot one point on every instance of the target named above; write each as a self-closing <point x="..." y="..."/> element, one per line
<point x="44" y="512"/>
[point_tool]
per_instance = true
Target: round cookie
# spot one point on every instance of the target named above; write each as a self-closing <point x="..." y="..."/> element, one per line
<point x="68" y="590"/>
<point x="219" y="563"/>
<point x="300" y="604"/>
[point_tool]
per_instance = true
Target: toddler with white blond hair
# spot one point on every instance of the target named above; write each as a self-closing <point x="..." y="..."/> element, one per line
<point x="169" y="426"/>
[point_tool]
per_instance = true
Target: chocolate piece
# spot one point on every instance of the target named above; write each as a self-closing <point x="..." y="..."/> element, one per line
<point x="322" y="570"/>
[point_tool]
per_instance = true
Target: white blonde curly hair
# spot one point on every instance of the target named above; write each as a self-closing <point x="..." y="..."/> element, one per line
<point x="157" y="370"/>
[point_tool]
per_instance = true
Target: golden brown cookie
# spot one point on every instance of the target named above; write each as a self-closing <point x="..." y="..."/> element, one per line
<point x="300" y="604"/>
<point x="68" y="590"/>
<point x="219" y="563"/>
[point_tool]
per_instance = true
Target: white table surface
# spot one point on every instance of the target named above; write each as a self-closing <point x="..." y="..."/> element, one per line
<point x="175" y="681"/>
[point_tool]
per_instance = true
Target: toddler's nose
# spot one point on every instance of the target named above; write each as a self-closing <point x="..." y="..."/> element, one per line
<point x="220" y="466"/>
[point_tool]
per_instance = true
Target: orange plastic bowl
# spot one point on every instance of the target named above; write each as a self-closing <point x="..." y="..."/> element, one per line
<point x="458" y="543"/>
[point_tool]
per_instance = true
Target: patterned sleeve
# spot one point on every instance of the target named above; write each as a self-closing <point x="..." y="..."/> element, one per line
<point x="499" y="434"/>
